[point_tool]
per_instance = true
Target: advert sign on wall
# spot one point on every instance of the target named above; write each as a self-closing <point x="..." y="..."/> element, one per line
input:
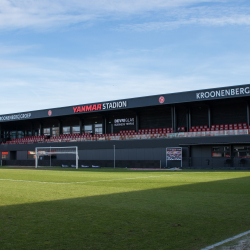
<point x="174" y="154"/>
<point x="124" y="122"/>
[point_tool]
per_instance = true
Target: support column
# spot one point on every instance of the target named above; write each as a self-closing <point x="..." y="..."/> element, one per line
<point x="60" y="126"/>
<point x="137" y="123"/>
<point x="209" y="117"/>
<point x="248" y="118"/>
<point x="32" y="129"/>
<point x="189" y="118"/>
<point x="104" y="129"/>
<point x="1" y="136"/>
<point x="41" y="129"/>
<point x="80" y="125"/>
<point x="173" y="114"/>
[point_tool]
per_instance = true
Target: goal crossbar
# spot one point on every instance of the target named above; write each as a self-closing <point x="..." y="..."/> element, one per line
<point x="48" y="151"/>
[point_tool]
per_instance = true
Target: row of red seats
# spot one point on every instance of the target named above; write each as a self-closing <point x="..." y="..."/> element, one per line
<point x="37" y="137"/>
<point x="235" y="126"/>
<point x="28" y="139"/>
<point x="155" y="131"/>
<point x="181" y="129"/>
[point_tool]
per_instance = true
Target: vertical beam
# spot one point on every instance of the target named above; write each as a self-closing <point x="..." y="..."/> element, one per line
<point x="60" y="126"/>
<point x="104" y="130"/>
<point x="175" y="120"/>
<point x="137" y="123"/>
<point x="248" y="118"/>
<point x="172" y="118"/>
<point x="80" y="125"/>
<point x="41" y="128"/>
<point x="189" y="118"/>
<point x="173" y="114"/>
<point x="209" y="117"/>
<point x="32" y="129"/>
<point x="1" y="131"/>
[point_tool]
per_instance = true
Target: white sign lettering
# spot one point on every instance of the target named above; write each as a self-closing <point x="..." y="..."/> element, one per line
<point x="15" y="117"/>
<point x="114" y="105"/>
<point x="223" y="92"/>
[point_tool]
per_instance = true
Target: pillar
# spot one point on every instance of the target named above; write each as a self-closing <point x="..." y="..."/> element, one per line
<point x="209" y="117"/>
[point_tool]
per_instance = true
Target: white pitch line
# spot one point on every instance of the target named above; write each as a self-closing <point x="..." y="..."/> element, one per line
<point x="227" y="240"/>
<point x="83" y="182"/>
<point x="46" y="182"/>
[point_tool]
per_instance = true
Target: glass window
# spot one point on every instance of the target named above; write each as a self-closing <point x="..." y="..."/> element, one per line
<point x="76" y="130"/>
<point x="87" y="128"/>
<point x="31" y="154"/>
<point x="5" y="155"/>
<point x="98" y="128"/>
<point x="13" y="134"/>
<point x="66" y="130"/>
<point x="46" y="131"/>
<point x="221" y="151"/>
<point x="20" y="134"/>
<point x="55" y="131"/>
<point x="242" y="151"/>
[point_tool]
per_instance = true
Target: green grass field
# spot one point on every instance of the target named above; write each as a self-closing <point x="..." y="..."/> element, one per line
<point x="121" y="209"/>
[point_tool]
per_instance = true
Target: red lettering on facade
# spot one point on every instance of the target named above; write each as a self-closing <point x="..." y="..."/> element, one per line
<point x="75" y="109"/>
<point x="89" y="108"/>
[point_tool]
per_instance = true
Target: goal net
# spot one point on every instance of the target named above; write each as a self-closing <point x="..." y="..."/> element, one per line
<point x="50" y="152"/>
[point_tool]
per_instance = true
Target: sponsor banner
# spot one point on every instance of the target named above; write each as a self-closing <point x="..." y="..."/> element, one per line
<point x="100" y="106"/>
<point x="124" y="122"/>
<point x="15" y="117"/>
<point x="223" y="93"/>
<point x="174" y="154"/>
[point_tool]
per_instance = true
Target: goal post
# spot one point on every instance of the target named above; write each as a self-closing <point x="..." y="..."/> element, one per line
<point x="49" y="151"/>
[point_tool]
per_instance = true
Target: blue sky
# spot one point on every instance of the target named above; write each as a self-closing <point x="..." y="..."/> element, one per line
<point x="58" y="53"/>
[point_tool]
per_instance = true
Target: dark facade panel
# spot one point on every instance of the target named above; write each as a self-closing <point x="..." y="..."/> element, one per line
<point x="157" y="100"/>
<point x="229" y="112"/>
<point x="199" y="115"/>
<point x="155" y="118"/>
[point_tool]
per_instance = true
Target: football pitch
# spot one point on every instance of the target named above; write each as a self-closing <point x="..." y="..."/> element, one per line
<point x="103" y="209"/>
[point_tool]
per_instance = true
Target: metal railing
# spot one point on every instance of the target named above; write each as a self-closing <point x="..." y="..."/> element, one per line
<point x="107" y="137"/>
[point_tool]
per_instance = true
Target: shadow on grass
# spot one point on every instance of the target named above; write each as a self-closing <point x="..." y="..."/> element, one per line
<point x="182" y="217"/>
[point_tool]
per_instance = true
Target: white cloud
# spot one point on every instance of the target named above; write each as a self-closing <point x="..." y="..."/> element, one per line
<point x="49" y="82"/>
<point x="48" y="14"/>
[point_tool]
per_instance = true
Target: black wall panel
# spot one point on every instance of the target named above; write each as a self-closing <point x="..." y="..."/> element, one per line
<point x="199" y="115"/>
<point x="22" y="155"/>
<point x="181" y="116"/>
<point x="229" y="112"/>
<point x="159" y="117"/>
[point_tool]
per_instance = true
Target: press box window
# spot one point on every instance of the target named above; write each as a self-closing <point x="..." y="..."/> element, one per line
<point x="76" y="130"/>
<point x="66" y="130"/>
<point x="88" y="128"/>
<point x="98" y="128"/>
<point x="55" y="131"/>
<point x="5" y="155"/>
<point x="31" y="155"/>
<point x="46" y="131"/>
<point x="221" y="151"/>
<point x="242" y="151"/>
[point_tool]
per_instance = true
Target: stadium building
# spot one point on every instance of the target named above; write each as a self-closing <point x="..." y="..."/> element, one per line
<point x="203" y="129"/>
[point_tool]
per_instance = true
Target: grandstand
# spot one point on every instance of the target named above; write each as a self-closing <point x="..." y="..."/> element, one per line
<point x="211" y="126"/>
